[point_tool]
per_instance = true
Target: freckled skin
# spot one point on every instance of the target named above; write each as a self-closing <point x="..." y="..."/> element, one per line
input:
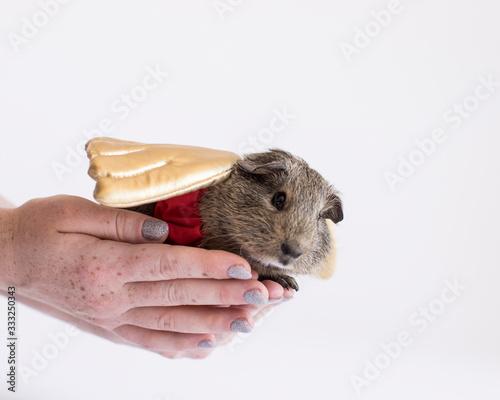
<point x="76" y="276"/>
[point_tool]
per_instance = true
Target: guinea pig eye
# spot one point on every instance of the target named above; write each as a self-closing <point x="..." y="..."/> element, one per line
<point x="278" y="200"/>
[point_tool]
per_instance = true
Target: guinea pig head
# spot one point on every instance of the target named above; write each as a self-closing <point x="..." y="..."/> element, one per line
<point x="272" y="211"/>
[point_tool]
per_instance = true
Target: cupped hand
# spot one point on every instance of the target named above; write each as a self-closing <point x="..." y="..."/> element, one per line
<point x="107" y="271"/>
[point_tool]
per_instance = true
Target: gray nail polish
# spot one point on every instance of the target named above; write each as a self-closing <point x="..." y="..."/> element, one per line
<point x="240" y="325"/>
<point x="154" y="229"/>
<point x="239" y="272"/>
<point x="206" y="344"/>
<point x="285" y="299"/>
<point x="272" y="301"/>
<point x="254" y="297"/>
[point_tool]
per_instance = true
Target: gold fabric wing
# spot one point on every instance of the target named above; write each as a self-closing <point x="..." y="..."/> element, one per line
<point x="129" y="174"/>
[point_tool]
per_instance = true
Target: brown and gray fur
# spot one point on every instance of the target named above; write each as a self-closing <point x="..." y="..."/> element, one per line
<point x="238" y="216"/>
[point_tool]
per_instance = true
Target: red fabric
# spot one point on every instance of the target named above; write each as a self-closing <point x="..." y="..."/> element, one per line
<point x="182" y="213"/>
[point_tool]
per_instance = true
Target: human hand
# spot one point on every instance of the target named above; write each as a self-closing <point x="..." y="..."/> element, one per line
<point x="104" y="270"/>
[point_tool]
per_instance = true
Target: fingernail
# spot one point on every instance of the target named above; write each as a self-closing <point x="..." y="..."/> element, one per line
<point x="272" y="301"/>
<point x="206" y="344"/>
<point x="154" y="229"/>
<point x="285" y="299"/>
<point x="239" y="272"/>
<point x="240" y="325"/>
<point x="255" y="297"/>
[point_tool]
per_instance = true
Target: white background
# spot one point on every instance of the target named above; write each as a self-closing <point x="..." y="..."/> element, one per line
<point x="228" y="71"/>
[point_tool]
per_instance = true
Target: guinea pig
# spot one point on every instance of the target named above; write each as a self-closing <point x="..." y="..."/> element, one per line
<point x="271" y="211"/>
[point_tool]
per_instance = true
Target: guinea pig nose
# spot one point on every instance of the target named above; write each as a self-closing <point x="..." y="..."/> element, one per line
<point x="289" y="250"/>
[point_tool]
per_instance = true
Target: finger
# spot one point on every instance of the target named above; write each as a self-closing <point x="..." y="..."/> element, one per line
<point x="153" y="262"/>
<point x="112" y="223"/>
<point x="164" y="341"/>
<point x="257" y="312"/>
<point x="289" y="294"/>
<point x="276" y="296"/>
<point x="196" y="292"/>
<point x="275" y="291"/>
<point x="188" y="319"/>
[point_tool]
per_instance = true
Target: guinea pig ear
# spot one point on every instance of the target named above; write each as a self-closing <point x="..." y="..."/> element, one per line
<point x="256" y="167"/>
<point x="334" y="209"/>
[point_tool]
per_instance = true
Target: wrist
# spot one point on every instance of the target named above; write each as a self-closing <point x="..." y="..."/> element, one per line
<point x="7" y="227"/>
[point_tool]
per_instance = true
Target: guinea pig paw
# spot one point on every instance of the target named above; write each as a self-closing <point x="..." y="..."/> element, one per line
<point x="287" y="282"/>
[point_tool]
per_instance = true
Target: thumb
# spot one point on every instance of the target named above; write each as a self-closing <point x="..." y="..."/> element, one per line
<point x="115" y="224"/>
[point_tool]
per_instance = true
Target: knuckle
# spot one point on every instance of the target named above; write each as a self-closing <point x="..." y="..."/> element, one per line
<point x="170" y="265"/>
<point x="120" y="225"/>
<point x="165" y="265"/>
<point x="174" y="293"/>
